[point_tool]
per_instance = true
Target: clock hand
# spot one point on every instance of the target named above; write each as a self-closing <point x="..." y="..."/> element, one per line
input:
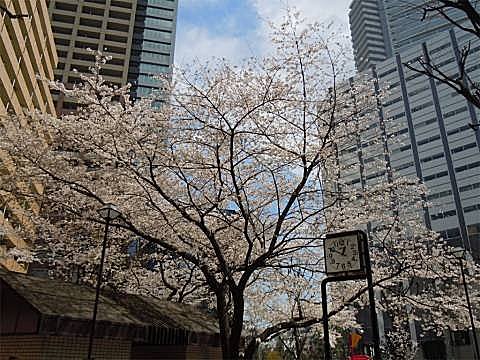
<point x="343" y="251"/>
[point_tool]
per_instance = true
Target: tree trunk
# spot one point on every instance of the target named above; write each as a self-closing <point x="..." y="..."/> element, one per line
<point x="250" y="349"/>
<point x="230" y="329"/>
<point x="236" y="325"/>
<point x="223" y="323"/>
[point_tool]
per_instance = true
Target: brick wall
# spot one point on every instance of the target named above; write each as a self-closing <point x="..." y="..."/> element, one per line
<point x="35" y="347"/>
<point x="190" y="352"/>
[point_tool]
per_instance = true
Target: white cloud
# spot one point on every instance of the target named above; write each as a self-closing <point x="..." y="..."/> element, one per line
<point x="312" y="10"/>
<point x="321" y="11"/>
<point x="202" y="43"/>
<point x="199" y="44"/>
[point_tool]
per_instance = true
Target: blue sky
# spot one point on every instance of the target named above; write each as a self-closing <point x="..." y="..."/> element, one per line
<point x="235" y="29"/>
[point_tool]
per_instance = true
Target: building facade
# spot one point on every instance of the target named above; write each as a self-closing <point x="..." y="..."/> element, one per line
<point x="428" y="137"/>
<point x="422" y="131"/>
<point x="27" y="50"/>
<point x="153" y="44"/>
<point x="426" y="128"/>
<point x="139" y="35"/>
<point x="370" y="35"/>
<point x="381" y="28"/>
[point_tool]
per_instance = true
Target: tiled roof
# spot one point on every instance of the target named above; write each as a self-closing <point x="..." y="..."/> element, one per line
<point x="68" y="300"/>
<point x="168" y="314"/>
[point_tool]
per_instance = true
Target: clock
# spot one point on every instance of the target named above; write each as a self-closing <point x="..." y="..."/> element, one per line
<point x="343" y="253"/>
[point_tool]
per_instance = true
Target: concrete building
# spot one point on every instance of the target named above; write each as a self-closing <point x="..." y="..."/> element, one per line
<point x="139" y="35"/>
<point x="27" y="50"/>
<point x="427" y="123"/>
<point x="438" y="146"/>
<point x="421" y="131"/>
<point x="381" y="28"/>
<point x="426" y="133"/>
<point x="370" y="35"/>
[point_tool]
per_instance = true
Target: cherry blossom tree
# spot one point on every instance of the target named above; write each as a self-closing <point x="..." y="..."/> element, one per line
<point x="226" y="191"/>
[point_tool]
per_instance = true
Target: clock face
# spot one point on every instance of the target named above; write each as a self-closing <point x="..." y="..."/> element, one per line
<point x="342" y="254"/>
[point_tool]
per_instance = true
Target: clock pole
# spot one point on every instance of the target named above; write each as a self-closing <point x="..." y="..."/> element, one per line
<point x="371" y="297"/>
<point x="352" y="262"/>
<point x="326" y="332"/>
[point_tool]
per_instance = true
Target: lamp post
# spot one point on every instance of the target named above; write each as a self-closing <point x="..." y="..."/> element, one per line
<point x="459" y="253"/>
<point x="108" y="212"/>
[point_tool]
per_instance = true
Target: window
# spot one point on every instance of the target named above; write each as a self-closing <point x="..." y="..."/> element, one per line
<point x="61" y="30"/>
<point x="92" y="10"/>
<point x="404" y="166"/>
<point x="398" y="116"/>
<point x="393" y="101"/>
<point x="119" y="15"/>
<point x="115" y="38"/>
<point x="91" y="23"/>
<point x="464" y="147"/>
<point x="454" y="112"/>
<point x="470" y="187"/>
<point x="60" y="41"/>
<point x="444" y="215"/>
<point x="467" y="166"/>
<point x="113" y="73"/>
<point x="435" y="176"/>
<point x="63" y="18"/>
<point x="89" y="34"/>
<point x="422" y="106"/>
<point x="84" y="57"/>
<point x="428" y="140"/>
<point x="425" y="123"/>
<point x="117" y="27"/>
<point x="432" y="157"/>
<point x="444" y="46"/>
<point x="457" y="130"/>
<point x="116" y="62"/>
<point x="121" y="4"/>
<point x="62" y="54"/>
<point x="402" y="149"/>
<point x="471" y="208"/>
<point x="85" y="45"/>
<point x="114" y="49"/>
<point x="65" y="7"/>
<point x="439" y="195"/>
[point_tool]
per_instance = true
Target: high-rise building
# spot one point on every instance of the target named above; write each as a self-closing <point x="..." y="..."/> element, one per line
<point x="438" y="146"/>
<point x="139" y="35"/>
<point x="421" y="129"/>
<point x="370" y="35"/>
<point x="428" y="137"/>
<point x="409" y="25"/>
<point x="153" y="44"/>
<point x="27" y="50"/>
<point x="381" y="28"/>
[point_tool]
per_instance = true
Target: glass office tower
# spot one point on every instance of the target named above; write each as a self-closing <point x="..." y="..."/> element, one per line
<point x="153" y="44"/>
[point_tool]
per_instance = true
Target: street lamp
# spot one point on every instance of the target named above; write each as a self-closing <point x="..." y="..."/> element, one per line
<point x="108" y="212"/>
<point x="459" y="253"/>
